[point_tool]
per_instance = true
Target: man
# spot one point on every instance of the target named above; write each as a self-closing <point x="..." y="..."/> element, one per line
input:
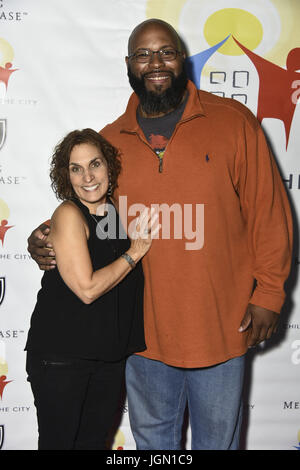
<point x="189" y="148"/>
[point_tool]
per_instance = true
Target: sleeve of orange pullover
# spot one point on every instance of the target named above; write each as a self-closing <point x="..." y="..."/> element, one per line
<point x="266" y="209"/>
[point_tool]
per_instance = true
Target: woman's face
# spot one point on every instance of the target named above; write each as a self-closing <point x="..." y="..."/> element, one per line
<point x="89" y="175"/>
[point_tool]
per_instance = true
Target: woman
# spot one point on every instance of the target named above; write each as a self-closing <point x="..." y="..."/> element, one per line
<point x="89" y="312"/>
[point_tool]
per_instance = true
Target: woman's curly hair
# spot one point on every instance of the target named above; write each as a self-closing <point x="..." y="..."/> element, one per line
<point x="59" y="167"/>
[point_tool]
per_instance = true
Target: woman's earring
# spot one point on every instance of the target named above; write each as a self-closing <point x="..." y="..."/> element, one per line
<point x="109" y="191"/>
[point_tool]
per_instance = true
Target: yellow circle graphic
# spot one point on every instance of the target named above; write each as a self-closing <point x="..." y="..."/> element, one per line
<point x="241" y="24"/>
<point x="3" y="367"/>
<point x="6" y="52"/>
<point x="289" y="11"/>
<point x="4" y="210"/>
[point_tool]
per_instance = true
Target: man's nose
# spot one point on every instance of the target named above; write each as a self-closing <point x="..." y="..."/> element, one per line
<point x="156" y="59"/>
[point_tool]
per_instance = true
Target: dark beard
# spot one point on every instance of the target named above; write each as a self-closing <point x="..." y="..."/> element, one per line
<point x="156" y="103"/>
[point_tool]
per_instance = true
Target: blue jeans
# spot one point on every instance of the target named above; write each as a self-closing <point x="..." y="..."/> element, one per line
<point x="158" y="395"/>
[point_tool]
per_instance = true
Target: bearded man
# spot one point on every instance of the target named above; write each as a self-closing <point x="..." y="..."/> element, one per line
<point x="205" y="303"/>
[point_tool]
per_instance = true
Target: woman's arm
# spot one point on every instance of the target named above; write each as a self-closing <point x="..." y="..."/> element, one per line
<point x="69" y="234"/>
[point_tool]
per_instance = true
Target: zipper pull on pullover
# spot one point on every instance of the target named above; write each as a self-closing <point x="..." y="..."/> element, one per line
<point x="160" y="158"/>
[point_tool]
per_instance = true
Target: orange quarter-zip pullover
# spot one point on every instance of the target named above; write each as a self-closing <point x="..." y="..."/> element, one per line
<point x="234" y="246"/>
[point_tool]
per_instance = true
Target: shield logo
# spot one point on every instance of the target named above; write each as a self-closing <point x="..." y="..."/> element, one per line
<point x="1" y="435"/>
<point x="2" y="289"/>
<point x="2" y="132"/>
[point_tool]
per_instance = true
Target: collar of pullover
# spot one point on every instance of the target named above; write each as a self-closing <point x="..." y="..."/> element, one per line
<point x="194" y="108"/>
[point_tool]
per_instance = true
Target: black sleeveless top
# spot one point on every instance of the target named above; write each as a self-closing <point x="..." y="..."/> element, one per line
<point x="108" y="329"/>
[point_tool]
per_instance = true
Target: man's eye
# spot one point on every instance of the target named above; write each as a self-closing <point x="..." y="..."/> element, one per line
<point x="142" y="54"/>
<point x="168" y="53"/>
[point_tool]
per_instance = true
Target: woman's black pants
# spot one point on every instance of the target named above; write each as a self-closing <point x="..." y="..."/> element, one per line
<point x="76" y="400"/>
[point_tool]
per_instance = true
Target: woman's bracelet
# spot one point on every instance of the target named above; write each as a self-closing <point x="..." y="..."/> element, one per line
<point x="129" y="260"/>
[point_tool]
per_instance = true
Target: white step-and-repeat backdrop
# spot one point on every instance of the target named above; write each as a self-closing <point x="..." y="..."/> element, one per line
<point x="62" y="68"/>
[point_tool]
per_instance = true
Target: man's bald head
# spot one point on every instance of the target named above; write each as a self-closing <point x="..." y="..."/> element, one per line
<point x="153" y="24"/>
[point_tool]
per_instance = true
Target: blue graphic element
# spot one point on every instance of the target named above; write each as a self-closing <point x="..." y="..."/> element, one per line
<point x="195" y="63"/>
<point x="297" y="447"/>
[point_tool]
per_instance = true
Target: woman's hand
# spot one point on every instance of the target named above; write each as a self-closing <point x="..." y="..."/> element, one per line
<point x="146" y="227"/>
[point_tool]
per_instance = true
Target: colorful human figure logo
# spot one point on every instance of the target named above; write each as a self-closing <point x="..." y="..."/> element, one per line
<point x="3" y="373"/>
<point x="5" y="73"/>
<point x="3" y="383"/>
<point x="7" y="55"/>
<point x="4" y="215"/>
<point x="275" y="98"/>
<point x="3" y="229"/>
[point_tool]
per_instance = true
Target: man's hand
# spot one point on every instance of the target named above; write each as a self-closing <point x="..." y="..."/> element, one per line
<point x="41" y="251"/>
<point x="261" y="322"/>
